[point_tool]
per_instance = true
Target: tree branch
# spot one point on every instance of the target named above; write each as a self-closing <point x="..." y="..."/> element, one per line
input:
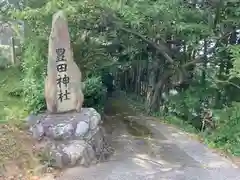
<point x="228" y="82"/>
<point x="159" y="47"/>
<point x="223" y="81"/>
<point x="211" y="50"/>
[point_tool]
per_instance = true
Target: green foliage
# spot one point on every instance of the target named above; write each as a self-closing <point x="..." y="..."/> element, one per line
<point x="34" y="68"/>
<point x="227" y="135"/>
<point x="11" y="102"/>
<point x="188" y="102"/>
<point x="235" y="56"/>
<point x="4" y="62"/>
<point x="94" y="92"/>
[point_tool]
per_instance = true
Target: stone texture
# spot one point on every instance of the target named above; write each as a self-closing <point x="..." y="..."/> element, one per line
<point x="62" y="131"/>
<point x="64" y="126"/>
<point x="70" y="140"/>
<point x="94" y="121"/>
<point x="63" y="86"/>
<point x="37" y="130"/>
<point x="77" y="152"/>
<point x="82" y="129"/>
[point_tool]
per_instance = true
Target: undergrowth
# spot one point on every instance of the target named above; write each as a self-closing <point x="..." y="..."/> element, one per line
<point x="12" y="107"/>
<point x="227" y="134"/>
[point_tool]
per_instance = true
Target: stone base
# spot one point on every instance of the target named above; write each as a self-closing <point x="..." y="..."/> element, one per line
<point x="72" y="138"/>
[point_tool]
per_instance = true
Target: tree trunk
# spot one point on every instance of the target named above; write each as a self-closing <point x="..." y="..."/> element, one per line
<point x="154" y="103"/>
<point x="204" y="63"/>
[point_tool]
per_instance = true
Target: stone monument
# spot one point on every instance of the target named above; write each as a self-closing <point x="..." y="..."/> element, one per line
<point x="71" y="135"/>
<point x="63" y="91"/>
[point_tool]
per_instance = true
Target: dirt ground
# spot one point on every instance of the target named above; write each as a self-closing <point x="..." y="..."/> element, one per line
<point x="20" y="157"/>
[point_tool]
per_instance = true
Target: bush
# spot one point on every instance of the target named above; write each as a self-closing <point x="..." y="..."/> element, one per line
<point x="94" y="92"/>
<point x="227" y="134"/>
<point x="188" y="105"/>
<point x="34" y="68"/>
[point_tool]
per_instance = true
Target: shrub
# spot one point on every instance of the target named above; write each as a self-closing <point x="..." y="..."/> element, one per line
<point x="34" y="68"/>
<point x="94" y="92"/>
<point x="189" y="104"/>
<point x="227" y="134"/>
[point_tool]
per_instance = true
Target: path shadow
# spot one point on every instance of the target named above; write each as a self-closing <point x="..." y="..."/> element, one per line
<point x="131" y="136"/>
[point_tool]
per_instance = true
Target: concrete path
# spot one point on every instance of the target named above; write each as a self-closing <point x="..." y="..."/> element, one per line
<point x="146" y="149"/>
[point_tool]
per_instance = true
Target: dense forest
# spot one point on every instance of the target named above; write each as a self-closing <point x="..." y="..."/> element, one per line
<point x="180" y="57"/>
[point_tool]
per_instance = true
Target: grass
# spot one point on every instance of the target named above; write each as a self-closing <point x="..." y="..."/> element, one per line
<point x="11" y="104"/>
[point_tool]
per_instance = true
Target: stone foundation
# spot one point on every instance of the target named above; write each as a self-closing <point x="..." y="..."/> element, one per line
<point x="72" y="138"/>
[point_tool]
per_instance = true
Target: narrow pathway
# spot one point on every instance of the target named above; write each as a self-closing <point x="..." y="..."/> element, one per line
<point x="146" y="149"/>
